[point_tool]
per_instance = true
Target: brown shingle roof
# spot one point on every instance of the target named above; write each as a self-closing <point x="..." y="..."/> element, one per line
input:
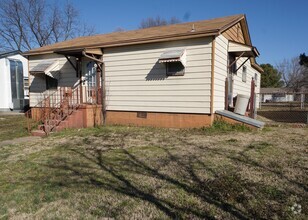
<point x="154" y="34"/>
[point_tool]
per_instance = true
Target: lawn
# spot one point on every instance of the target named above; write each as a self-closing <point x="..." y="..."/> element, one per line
<point x="12" y="126"/>
<point x="145" y="173"/>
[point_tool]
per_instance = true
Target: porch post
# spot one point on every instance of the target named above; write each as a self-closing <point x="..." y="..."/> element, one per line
<point x="78" y="62"/>
<point x="252" y="99"/>
<point x="98" y="85"/>
<point x="226" y="94"/>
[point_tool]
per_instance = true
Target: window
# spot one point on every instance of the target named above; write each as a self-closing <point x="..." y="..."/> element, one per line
<point x="51" y="83"/>
<point x="244" y="74"/>
<point x="234" y="66"/>
<point x="175" y="69"/>
<point x="256" y="79"/>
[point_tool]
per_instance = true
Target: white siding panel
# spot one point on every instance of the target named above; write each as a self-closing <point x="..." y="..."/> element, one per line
<point x="67" y="77"/>
<point x="135" y="81"/>
<point x="241" y="87"/>
<point x="220" y="72"/>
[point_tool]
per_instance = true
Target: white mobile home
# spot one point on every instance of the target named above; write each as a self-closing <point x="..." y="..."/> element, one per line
<point x="13" y="81"/>
<point x="169" y="76"/>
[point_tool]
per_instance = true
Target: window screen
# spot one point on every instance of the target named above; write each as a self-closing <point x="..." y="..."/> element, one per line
<point x="234" y="66"/>
<point x="51" y="83"/>
<point x="175" y="69"/>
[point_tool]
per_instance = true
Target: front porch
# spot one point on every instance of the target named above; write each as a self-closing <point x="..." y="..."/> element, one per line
<point x="58" y="105"/>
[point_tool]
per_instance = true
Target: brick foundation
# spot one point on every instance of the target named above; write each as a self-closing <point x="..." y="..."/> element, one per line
<point x="165" y="120"/>
<point x="85" y="116"/>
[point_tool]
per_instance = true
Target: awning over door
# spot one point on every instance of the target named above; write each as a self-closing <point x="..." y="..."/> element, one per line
<point x="175" y="55"/>
<point x="49" y="68"/>
<point x="242" y="50"/>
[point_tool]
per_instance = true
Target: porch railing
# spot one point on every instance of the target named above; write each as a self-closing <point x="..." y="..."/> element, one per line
<point x="53" y="109"/>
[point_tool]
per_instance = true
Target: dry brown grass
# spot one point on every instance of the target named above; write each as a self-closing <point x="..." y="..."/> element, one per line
<point x="145" y="173"/>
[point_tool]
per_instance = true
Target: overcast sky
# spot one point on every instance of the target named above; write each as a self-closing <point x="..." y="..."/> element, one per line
<point x="278" y="28"/>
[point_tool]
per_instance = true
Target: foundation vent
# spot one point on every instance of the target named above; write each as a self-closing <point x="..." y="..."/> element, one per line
<point x="142" y="114"/>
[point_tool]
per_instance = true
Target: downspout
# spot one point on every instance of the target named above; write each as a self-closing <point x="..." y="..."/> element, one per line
<point x="212" y="80"/>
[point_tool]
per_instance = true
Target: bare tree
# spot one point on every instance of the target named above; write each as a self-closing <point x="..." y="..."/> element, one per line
<point x="293" y="74"/>
<point x="26" y="24"/>
<point x="158" y="21"/>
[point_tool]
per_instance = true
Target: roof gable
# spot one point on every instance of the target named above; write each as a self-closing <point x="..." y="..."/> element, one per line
<point x="239" y="32"/>
<point x="235" y="33"/>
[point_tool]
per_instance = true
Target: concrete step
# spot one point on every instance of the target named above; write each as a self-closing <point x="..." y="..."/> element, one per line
<point x="38" y="133"/>
<point x="236" y="118"/>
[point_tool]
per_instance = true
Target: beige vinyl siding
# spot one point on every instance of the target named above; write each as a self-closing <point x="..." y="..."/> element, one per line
<point x="220" y="71"/>
<point x="135" y="81"/>
<point x="67" y="77"/>
<point x="238" y="47"/>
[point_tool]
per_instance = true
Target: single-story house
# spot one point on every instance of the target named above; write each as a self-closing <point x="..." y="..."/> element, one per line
<point x="277" y="95"/>
<point x="283" y="94"/>
<point x="13" y="81"/>
<point x="167" y="76"/>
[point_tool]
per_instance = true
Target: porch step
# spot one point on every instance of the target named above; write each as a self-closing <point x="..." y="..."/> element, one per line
<point x="38" y="133"/>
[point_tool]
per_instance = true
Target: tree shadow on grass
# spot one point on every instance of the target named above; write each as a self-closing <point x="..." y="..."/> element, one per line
<point x="99" y="169"/>
<point x="126" y="172"/>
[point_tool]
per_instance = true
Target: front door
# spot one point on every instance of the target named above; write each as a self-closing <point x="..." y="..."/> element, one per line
<point x="89" y="81"/>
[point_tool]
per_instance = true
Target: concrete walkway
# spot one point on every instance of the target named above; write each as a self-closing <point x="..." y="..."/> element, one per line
<point x="19" y="140"/>
<point x="5" y="113"/>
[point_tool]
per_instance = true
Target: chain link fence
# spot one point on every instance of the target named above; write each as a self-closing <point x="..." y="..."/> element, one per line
<point x="283" y="107"/>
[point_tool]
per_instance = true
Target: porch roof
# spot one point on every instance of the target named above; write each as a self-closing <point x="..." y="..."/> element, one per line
<point x="242" y="50"/>
<point x="79" y="52"/>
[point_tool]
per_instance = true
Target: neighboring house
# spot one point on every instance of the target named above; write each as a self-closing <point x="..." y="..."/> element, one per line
<point x="277" y="95"/>
<point x="168" y="76"/>
<point x="14" y="87"/>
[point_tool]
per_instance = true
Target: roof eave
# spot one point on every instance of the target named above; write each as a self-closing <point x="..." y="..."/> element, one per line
<point x="188" y="35"/>
<point x="257" y="67"/>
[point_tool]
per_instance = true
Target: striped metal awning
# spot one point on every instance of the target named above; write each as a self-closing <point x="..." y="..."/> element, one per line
<point x="175" y="55"/>
<point x="49" y="68"/>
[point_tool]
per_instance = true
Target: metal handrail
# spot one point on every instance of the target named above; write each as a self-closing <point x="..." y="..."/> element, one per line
<point x="69" y="102"/>
<point x="52" y="108"/>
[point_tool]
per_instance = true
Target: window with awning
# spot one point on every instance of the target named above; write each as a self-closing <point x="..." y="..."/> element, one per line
<point x="49" y="68"/>
<point x="175" y="61"/>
